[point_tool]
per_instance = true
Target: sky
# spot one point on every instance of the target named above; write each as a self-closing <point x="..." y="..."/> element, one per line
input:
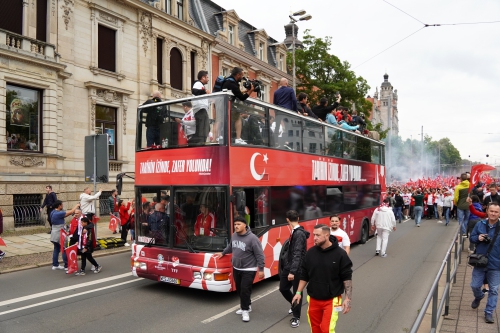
<point x="447" y="77"/>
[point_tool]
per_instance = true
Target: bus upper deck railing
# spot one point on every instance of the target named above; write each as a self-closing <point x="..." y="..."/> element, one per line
<point x="450" y="262"/>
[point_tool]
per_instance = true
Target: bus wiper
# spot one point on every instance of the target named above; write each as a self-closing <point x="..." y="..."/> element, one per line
<point x="151" y="242"/>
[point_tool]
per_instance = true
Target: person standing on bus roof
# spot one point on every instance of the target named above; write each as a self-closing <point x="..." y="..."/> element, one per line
<point x="327" y="272"/>
<point x="154" y="117"/>
<point x="248" y="258"/>
<point x="200" y="107"/>
<point x="285" y="96"/>
<point x="342" y="237"/>
<point x="383" y="219"/>
<point x="290" y="276"/>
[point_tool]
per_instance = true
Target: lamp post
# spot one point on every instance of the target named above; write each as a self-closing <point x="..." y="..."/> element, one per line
<point x="303" y="17"/>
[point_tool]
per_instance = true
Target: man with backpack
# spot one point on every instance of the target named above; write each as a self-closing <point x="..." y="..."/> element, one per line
<point x="233" y="83"/>
<point x="200" y="107"/>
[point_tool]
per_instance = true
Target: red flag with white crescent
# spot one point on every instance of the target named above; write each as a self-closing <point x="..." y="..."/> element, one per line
<point x="72" y="254"/>
<point x="475" y="173"/>
<point x="62" y="239"/>
<point x="2" y="243"/>
<point x="114" y="222"/>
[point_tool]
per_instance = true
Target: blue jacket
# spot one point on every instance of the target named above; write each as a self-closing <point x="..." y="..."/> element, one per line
<point x="478" y="207"/>
<point x="483" y="227"/>
<point x="348" y="127"/>
<point x="285" y="97"/>
<point x="330" y="118"/>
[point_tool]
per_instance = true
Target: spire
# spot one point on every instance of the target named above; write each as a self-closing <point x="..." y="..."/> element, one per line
<point x="292" y="29"/>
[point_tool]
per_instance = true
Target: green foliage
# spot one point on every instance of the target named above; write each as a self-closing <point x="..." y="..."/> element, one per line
<point x="377" y="128"/>
<point x="321" y="74"/>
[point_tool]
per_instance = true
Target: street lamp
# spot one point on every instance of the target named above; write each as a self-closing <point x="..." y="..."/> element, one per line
<point x="293" y="20"/>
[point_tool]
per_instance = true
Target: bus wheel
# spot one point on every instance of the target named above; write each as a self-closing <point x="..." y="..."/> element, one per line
<point x="364" y="233"/>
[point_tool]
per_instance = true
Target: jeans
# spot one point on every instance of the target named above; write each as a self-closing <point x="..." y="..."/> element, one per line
<point x="447" y="214"/>
<point x="418" y="214"/>
<point x="152" y="136"/>
<point x="397" y="213"/>
<point x="132" y="234"/>
<point x="244" y="282"/>
<point x="285" y="286"/>
<point x="493" y="277"/>
<point x="382" y="239"/>
<point x="436" y="211"/>
<point x="463" y="219"/>
<point x="55" y="255"/>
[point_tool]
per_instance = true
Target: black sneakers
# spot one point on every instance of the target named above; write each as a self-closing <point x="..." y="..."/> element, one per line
<point x="476" y="302"/>
<point x="294" y="322"/>
<point x="488" y="317"/>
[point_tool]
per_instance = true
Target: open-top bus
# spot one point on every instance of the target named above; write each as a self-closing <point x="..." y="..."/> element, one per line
<point x="287" y="162"/>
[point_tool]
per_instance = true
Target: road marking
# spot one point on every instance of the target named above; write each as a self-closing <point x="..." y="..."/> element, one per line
<point x="60" y="290"/>
<point x="66" y="297"/>
<point x="236" y="307"/>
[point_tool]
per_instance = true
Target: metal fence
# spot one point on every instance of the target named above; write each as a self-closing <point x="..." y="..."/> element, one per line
<point x="27" y="210"/>
<point x="104" y="208"/>
<point x="450" y="263"/>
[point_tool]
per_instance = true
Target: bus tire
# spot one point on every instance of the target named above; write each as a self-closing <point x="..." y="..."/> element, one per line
<point x="365" y="232"/>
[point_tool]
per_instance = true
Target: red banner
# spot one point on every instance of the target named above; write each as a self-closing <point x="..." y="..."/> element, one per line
<point x="72" y="254"/>
<point x="62" y="240"/>
<point x="114" y="222"/>
<point x="475" y="173"/>
<point x="2" y="243"/>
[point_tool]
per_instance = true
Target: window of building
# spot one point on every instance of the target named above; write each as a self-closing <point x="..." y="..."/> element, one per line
<point x="224" y="72"/>
<point x="230" y="36"/>
<point x="11" y="17"/>
<point x="180" y="9"/>
<point x="159" y="60"/>
<point x="194" y="75"/>
<point x="41" y="20"/>
<point x="23" y="123"/>
<point x="281" y="62"/>
<point x="261" y="51"/>
<point x="168" y="6"/>
<point x="176" y="69"/>
<point x="263" y="95"/>
<point x="105" y="123"/>
<point x="106" y="48"/>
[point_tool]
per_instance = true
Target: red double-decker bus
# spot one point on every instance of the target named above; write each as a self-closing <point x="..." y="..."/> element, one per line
<point x="256" y="160"/>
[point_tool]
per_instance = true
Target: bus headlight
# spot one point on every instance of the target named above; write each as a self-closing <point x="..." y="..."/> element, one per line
<point x="207" y="276"/>
<point x="197" y="275"/>
<point x="140" y="265"/>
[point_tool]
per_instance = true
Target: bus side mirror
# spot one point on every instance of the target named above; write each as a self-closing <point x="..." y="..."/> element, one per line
<point x="119" y="183"/>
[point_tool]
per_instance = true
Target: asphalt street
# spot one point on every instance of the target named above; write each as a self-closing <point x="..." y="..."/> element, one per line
<point x="387" y="295"/>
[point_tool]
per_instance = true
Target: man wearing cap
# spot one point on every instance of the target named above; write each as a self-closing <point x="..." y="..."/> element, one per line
<point x="248" y="258"/>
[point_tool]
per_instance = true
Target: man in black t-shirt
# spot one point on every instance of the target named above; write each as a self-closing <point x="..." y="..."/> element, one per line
<point x="155" y="116"/>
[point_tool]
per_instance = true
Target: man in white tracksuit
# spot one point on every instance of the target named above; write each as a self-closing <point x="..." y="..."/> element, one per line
<point x="383" y="219"/>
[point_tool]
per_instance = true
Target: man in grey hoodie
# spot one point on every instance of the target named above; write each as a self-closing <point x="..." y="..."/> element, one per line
<point x="248" y="258"/>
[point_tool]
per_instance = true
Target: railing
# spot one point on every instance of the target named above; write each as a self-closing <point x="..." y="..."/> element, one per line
<point x="20" y="42"/>
<point x="104" y="208"/>
<point x="26" y="210"/>
<point x="451" y="272"/>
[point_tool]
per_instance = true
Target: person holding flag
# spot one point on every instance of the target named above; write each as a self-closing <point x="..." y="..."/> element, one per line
<point x="57" y="218"/>
<point x="84" y="237"/>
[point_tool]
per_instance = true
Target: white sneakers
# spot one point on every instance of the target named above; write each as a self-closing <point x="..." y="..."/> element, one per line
<point x="240" y="142"/>
<point x="245" y="316"/>
<point x="241" y="311"/>
<point x="55" y="268"/>
<point x="126" y="244"/>
<point x="383" y="255"/>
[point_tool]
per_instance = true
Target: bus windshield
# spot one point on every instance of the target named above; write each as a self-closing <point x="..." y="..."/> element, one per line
<point x="187" y="122"/>
<point x="193" y="218"/>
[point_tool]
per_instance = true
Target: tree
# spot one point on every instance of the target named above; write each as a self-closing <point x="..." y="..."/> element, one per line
<point x="322" y="74"/>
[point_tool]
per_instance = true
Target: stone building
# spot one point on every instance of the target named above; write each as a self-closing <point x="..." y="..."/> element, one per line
<point x="380" y="110"/>
<point x="72" y="68"/>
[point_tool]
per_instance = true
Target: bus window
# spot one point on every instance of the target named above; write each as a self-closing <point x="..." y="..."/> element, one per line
<point x="313" y="138"/>
<point x="200" y="218"/>
<point x="186" y="123"/>
<point x="254" y="123"/>
<point x="375" y="156"/>
<point x="286" y="130"/>
<point x="333" y="142"/>
<point x="152" y="215"/>
<point x="350" y="197"/>
<point x="334" y="200"/>
<point x="363" y="149"/>
<point x="349" y="142"/>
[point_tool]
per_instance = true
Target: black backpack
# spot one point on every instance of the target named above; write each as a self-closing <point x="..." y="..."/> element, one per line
<point x="219" y="82"/>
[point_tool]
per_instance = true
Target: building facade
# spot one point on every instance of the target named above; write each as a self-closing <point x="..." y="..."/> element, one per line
<point x="381" y="112"/>
<point x="72" y="68"/>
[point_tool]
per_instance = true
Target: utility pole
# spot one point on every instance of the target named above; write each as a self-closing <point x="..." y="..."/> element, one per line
<point x="389" y="125"/>
<point x="422" y="153"/>
<point x="439" y="152"/>
<point x="411" y="155"/>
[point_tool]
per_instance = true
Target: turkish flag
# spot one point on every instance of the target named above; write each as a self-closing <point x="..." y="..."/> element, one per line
<point x="475" y="173"/>
<point x="72" y="254"/>
<point x="2" y="243"/>
<point x="114" y="222"/>
<point x="62" y="240"/>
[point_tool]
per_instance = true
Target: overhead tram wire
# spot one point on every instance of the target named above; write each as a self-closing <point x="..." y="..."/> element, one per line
<point x="425" y="25"/>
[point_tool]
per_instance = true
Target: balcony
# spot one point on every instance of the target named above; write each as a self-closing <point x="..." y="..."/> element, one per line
<point x="27" y="46"/>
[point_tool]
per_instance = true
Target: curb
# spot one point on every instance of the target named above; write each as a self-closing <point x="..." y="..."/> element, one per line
<point x="48" y="263"/>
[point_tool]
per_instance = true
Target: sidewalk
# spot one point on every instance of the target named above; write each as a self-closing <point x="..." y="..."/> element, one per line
<point x="462" y="318"/>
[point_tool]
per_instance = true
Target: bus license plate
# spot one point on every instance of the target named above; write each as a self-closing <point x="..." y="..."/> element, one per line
<point x="169" y="280"/>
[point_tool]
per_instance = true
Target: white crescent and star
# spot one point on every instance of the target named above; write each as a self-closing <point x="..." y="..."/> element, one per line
<point x="254" y="173"/>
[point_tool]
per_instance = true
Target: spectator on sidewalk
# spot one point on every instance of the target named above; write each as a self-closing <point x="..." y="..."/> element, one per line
<point x="113" y="200"/>
<point x="483" y="231"/>
<point x="384" y="221"/>
<point x="50" y="199"/>
<point x="460" y="200"/>
<point x="57" y="218"/>
<point x="86" y="244"/>
<point x="87" y="202"/>
<point x="447" y="206"/>
<point x="419" y="206"/>
<point x="473" y="218"/>
<point x="398" y="206"/>
<point x="124" y="219"/>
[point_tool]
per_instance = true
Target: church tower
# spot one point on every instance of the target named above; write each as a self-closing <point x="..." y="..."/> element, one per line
<point x="381" y="112"/>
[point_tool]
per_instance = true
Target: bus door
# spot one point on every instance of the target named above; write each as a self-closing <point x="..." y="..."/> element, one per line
<point x="253" y="205"/>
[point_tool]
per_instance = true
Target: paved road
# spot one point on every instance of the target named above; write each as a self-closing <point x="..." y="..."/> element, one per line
<point x="388" y="293"/>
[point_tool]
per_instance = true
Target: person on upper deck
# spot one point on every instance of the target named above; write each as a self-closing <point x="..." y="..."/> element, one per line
<point x="322" y="110"/>
<point x="343" y="123"/>
<point x="285" y="96"/>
